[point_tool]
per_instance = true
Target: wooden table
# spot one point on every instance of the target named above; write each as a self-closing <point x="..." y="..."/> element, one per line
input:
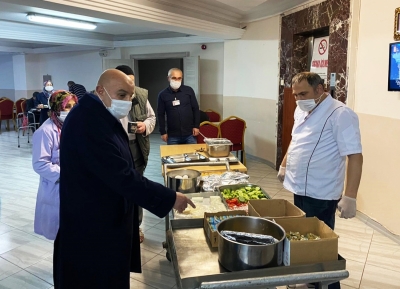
<point x="168" y="150"/>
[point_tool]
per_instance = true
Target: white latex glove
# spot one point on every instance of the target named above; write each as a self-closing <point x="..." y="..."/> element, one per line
<point x="281" y="173"/>
<point x="347" y="207"/>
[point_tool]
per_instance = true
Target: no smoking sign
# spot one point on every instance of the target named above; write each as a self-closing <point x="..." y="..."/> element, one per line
<point x="322" y="47"/>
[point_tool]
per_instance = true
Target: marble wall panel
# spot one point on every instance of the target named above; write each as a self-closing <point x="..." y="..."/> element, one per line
<point x="295" y="29"/>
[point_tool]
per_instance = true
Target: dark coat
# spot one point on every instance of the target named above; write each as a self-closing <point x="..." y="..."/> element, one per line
<point x="99" y="194"/>
<point x="43" y="98"/>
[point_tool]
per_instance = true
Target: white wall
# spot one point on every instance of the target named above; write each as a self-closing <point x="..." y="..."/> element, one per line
<point x="7" y="76"/>
<point x="378" y="111"/>
<point x="251" y="81"/>
<point x="7" y="72"/>
<point x="83" y="67"/>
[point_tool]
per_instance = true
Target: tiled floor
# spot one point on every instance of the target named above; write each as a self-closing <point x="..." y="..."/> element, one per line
<point x="373" y="260"/>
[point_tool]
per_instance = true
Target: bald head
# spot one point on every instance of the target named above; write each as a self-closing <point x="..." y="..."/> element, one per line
<point x="116" y="85"/>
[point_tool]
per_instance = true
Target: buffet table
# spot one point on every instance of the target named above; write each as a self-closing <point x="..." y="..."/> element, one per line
<point x="167" y="150"/>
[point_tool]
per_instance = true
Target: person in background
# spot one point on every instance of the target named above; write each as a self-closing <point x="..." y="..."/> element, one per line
<point x="42" y="101"/>
<point x="139" y="142"/>
<point x="178" y="102"/>
<point x="325" y="133"/>
<point x="97" y="244"/>
<point x="204" y="116"/>
<point x="46" y="163"/>
<point x="78" y="89"/>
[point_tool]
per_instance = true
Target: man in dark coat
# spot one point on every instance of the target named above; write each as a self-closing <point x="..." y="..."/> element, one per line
<point x="100" y="191"/>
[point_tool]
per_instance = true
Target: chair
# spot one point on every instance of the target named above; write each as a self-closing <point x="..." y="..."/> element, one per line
<point x="209" y="130"/>
<point x="7" y="112"/>
<point x="233" y="128"/>
<point x="23" y="122"/>
<point x="213" y="115"/>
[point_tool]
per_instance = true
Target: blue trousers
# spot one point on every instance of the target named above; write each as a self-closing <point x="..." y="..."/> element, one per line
<point x="190" y="139"/>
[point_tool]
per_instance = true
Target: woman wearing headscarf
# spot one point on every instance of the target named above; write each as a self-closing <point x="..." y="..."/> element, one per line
<point x="45" y="162"/>
<point x="42" y="100"/>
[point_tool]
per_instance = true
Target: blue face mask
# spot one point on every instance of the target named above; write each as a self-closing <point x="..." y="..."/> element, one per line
<point x="119" y="108"/>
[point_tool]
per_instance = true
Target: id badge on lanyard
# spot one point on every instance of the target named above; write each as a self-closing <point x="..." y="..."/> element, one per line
<point x="176" y="102"/>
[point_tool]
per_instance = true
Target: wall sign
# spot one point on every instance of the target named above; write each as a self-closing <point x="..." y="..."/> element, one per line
<point x="319" y="61"/>
<point x="396" y="32"/>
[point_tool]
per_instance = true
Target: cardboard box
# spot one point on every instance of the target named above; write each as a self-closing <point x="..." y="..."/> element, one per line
<point x="211" y="234"/>
<point x="274" y="209"/>
<point x="312" y="251"/>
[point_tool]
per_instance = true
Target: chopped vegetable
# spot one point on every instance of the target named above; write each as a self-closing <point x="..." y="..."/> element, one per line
<point x="240" y="197"/>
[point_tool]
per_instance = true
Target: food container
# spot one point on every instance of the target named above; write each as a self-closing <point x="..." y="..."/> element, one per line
<point x="177" y="181"/>
<point x="218" y="147"/>
<point x="235" y="256"/>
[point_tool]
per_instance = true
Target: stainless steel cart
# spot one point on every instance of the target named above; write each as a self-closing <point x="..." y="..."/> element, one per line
<point x="196" y="264"/>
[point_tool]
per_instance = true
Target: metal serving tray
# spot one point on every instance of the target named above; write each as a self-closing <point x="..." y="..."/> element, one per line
<point x="184" y="158"/>
<point x="196" y="264"/>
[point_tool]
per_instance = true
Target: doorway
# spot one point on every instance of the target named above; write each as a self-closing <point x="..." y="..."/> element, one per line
<point x="153" y="77"/>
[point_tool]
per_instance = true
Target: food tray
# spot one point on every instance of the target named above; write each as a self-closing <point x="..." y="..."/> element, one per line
<point x="236" y="187"/>
<point x="184" y="158"/>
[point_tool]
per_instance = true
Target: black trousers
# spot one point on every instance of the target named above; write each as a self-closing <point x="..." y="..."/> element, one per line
<point x="324" y="210"/>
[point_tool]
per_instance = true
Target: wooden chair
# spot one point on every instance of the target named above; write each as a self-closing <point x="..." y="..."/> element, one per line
<point x="209" y="130"/>
<point x="233" y="128"/>
<point x="213" y="115"/>
<point x="7" y="112"/>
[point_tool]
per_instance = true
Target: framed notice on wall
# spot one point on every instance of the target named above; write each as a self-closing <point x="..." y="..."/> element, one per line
<point x="319" y="61"/>
<point x="396" y="34"/>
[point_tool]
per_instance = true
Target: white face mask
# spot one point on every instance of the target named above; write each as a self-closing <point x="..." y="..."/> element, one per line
<point x="175" y="84"/>
<point x="308" y="104"/>
<point x="119" y="108"/>
<point x="63" y="115"/>
<point x="48" y="88"/>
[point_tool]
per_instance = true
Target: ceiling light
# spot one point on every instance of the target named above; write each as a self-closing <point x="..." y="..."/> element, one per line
<point x="60" y="21"/>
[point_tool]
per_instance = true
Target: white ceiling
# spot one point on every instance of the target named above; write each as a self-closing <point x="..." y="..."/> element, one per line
<point x="122" y="23"/>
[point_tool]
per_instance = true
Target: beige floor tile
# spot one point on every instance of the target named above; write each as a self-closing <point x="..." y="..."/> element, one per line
<point x="153" y="240"/>
<point x="158" y="273"/>
<point x="7" y="268"/>
<point x="42" y="270"/>
<point x="135" y="284"/>
<point x="28" y="254"/>
<point x="379" y="278"/>
<point x="147" y="255"/>
<point x="353" y="249"/>
<point x="355" y="270"/>
<point x="22" y="280"/>
<point x="384" y="253"/>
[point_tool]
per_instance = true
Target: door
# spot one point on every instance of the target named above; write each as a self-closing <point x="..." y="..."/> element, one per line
<point x="112" y="63"/>
<point x="191" y="74"/>
<point x="289" y="105"/>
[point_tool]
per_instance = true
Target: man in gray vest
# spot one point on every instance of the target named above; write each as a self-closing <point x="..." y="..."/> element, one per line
<point x="141" y="121"/>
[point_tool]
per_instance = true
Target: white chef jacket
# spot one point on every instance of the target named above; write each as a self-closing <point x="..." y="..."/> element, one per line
<point x="316" y="159"/>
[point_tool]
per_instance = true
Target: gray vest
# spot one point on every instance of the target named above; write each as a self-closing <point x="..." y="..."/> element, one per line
<point x="138" y="112"/>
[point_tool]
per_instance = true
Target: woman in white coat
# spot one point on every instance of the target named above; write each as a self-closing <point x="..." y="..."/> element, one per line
<point x="45" y="162"/>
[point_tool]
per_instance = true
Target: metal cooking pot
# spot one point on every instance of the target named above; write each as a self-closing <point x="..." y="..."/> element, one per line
<point x="191" y="184"/>
<point x="235" y="256"/>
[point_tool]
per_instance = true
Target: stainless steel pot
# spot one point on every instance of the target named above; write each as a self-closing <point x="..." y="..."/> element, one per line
<point x="191" y="184"/>
<point x="218" y="147"/>
<point x="236" y="256"/>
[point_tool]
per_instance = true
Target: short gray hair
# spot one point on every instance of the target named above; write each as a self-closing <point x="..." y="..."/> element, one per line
<point x="312" y="78"/>
<point x="173" y="69"/>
